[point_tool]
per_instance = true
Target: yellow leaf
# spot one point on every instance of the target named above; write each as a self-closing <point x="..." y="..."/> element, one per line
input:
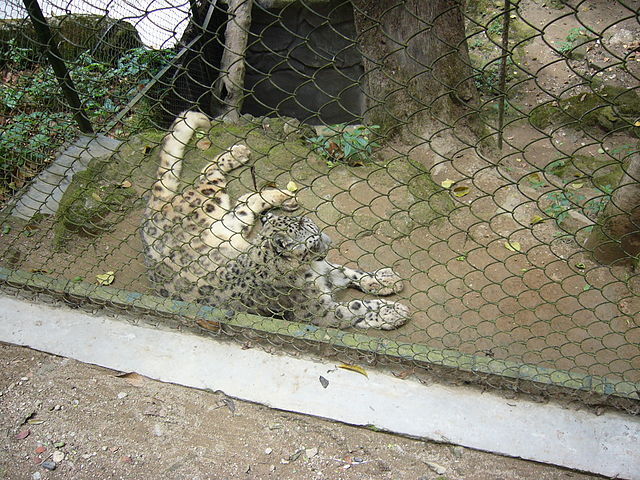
<point x="577" y="185"/>
<point x="637" y="124"/>
<point x="106" y="278"/>
<point x="354" y="368"/>
<point x="461" y="191"/>
<point x="447" y="183"/>
<point x="292" y="187"/>
<point x="126" y="184"/>
<point x="96" y="197"/>
<point x="536" y="219"/>
<point x="513" y="246"/>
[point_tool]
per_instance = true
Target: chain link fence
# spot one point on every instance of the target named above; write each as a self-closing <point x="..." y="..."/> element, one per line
<point x="486" y="152"/>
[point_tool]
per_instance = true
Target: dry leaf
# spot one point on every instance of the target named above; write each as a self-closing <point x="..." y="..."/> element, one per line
<point x="292" y="187"/>
<point x="106" y="278"/>
<point x="513" y="246"/>
<point x="404" y="374"/>
<point x="133" y="378"/>
<point x="536" y="219"/>
<point x="461" y="191"/>
<point x="126" y="184"/>
<point x="447" y="183"/>
<point x="354" y="368"/>
<point x="577" y="185"/>
<point x="96" y="197"/>
<point x="208" y="325"/>
<point x="204" y="144"/>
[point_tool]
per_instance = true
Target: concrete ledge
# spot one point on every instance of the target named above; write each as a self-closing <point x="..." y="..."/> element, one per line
<point x="606" y="444"/>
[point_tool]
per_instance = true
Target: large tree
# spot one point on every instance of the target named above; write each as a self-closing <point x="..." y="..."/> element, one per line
<point x="418" y="75"/>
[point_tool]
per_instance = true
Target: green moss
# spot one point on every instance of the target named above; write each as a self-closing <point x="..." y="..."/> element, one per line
<point x="92" y="200"/>
<point x="610" y="108"/>
<point x="603" y="171"/>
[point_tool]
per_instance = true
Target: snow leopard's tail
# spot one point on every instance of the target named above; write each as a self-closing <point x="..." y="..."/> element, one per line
<point x="172" y="154"/>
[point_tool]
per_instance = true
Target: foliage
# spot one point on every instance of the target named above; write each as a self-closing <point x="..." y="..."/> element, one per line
<point x="563" y="201"/>
<point x="38" y="118"/>
<point x="26" y="143"/>
<point x="351" y="146"/>
<point x="572" y="40"/>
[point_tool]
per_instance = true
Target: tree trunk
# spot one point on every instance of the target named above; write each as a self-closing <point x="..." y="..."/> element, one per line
<point x="230" y="85"/>
<point x="617" y="233"/>
<point x="418" y="75"/>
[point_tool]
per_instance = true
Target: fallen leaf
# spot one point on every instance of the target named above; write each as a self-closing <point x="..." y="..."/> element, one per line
<point x="23" y="434"/>
<point x="577" y="185"/>
<point x="461" y="258"/>
<point x="581" y="266"/>
<point x="536" y="219"/>
<point x="447" y="183"/>
<point x="513" y="246"/>
<point x="96" y="197"/>
<point x="637" y="124"/>
<point x="461" y="191"/>
<point x="208" y="325"/>
<point x="132" y="378"/>
<point x="126" y="184"/>
<point x="6" y="229"/>
<point x="600" y="150"/>
<point x="324" y="382"/>
<point x="106" y="278"/>
<point x="35" y="421"/>
<point x="204" y="144"/>
<point x="354" y="368"/>
<point x="292" y="187"/>
<point x="404" y="374"/>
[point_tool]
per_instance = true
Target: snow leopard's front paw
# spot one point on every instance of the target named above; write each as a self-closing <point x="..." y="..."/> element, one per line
<point x="383" y="315"/>
<point x="381" y="282"/>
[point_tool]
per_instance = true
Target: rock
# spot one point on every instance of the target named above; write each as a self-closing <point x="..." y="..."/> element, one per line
<point x="48" y="464"/>
<point x="57" y="456"/>
<point x="457" y="451"/>
<point x="267" y="451"/>
<point x="36" y="476"/>
<point x="122" y="395"/>
<point x="41" y="449"/>
<point x="439" y="469"/>
<point x="311" y="452"/>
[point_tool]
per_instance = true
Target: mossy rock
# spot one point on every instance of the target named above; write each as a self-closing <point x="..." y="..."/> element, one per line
<point x="100" y="196"/>
<point x="106" y="38"/>
<point x="610" y="108"/>
<point x="93" y="202"/>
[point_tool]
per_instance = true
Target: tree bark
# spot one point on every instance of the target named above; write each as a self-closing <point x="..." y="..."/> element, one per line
<point x="418" y="74"/>
<point x="230" y="85"/>
<point x="617" y="233"/>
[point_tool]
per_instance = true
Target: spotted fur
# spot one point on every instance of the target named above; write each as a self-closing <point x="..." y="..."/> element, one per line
<point x="197" y="248"/>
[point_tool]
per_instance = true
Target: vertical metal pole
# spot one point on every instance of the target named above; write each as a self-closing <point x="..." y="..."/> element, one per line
<point x="45" y="37"/>
<point x="503" y="69"/>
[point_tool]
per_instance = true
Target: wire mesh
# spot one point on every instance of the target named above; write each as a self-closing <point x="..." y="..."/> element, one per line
<point x="486" y="152"/>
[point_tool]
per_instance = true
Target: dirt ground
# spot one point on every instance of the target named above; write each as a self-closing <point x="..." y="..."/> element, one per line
<point x="100" y="424"/>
